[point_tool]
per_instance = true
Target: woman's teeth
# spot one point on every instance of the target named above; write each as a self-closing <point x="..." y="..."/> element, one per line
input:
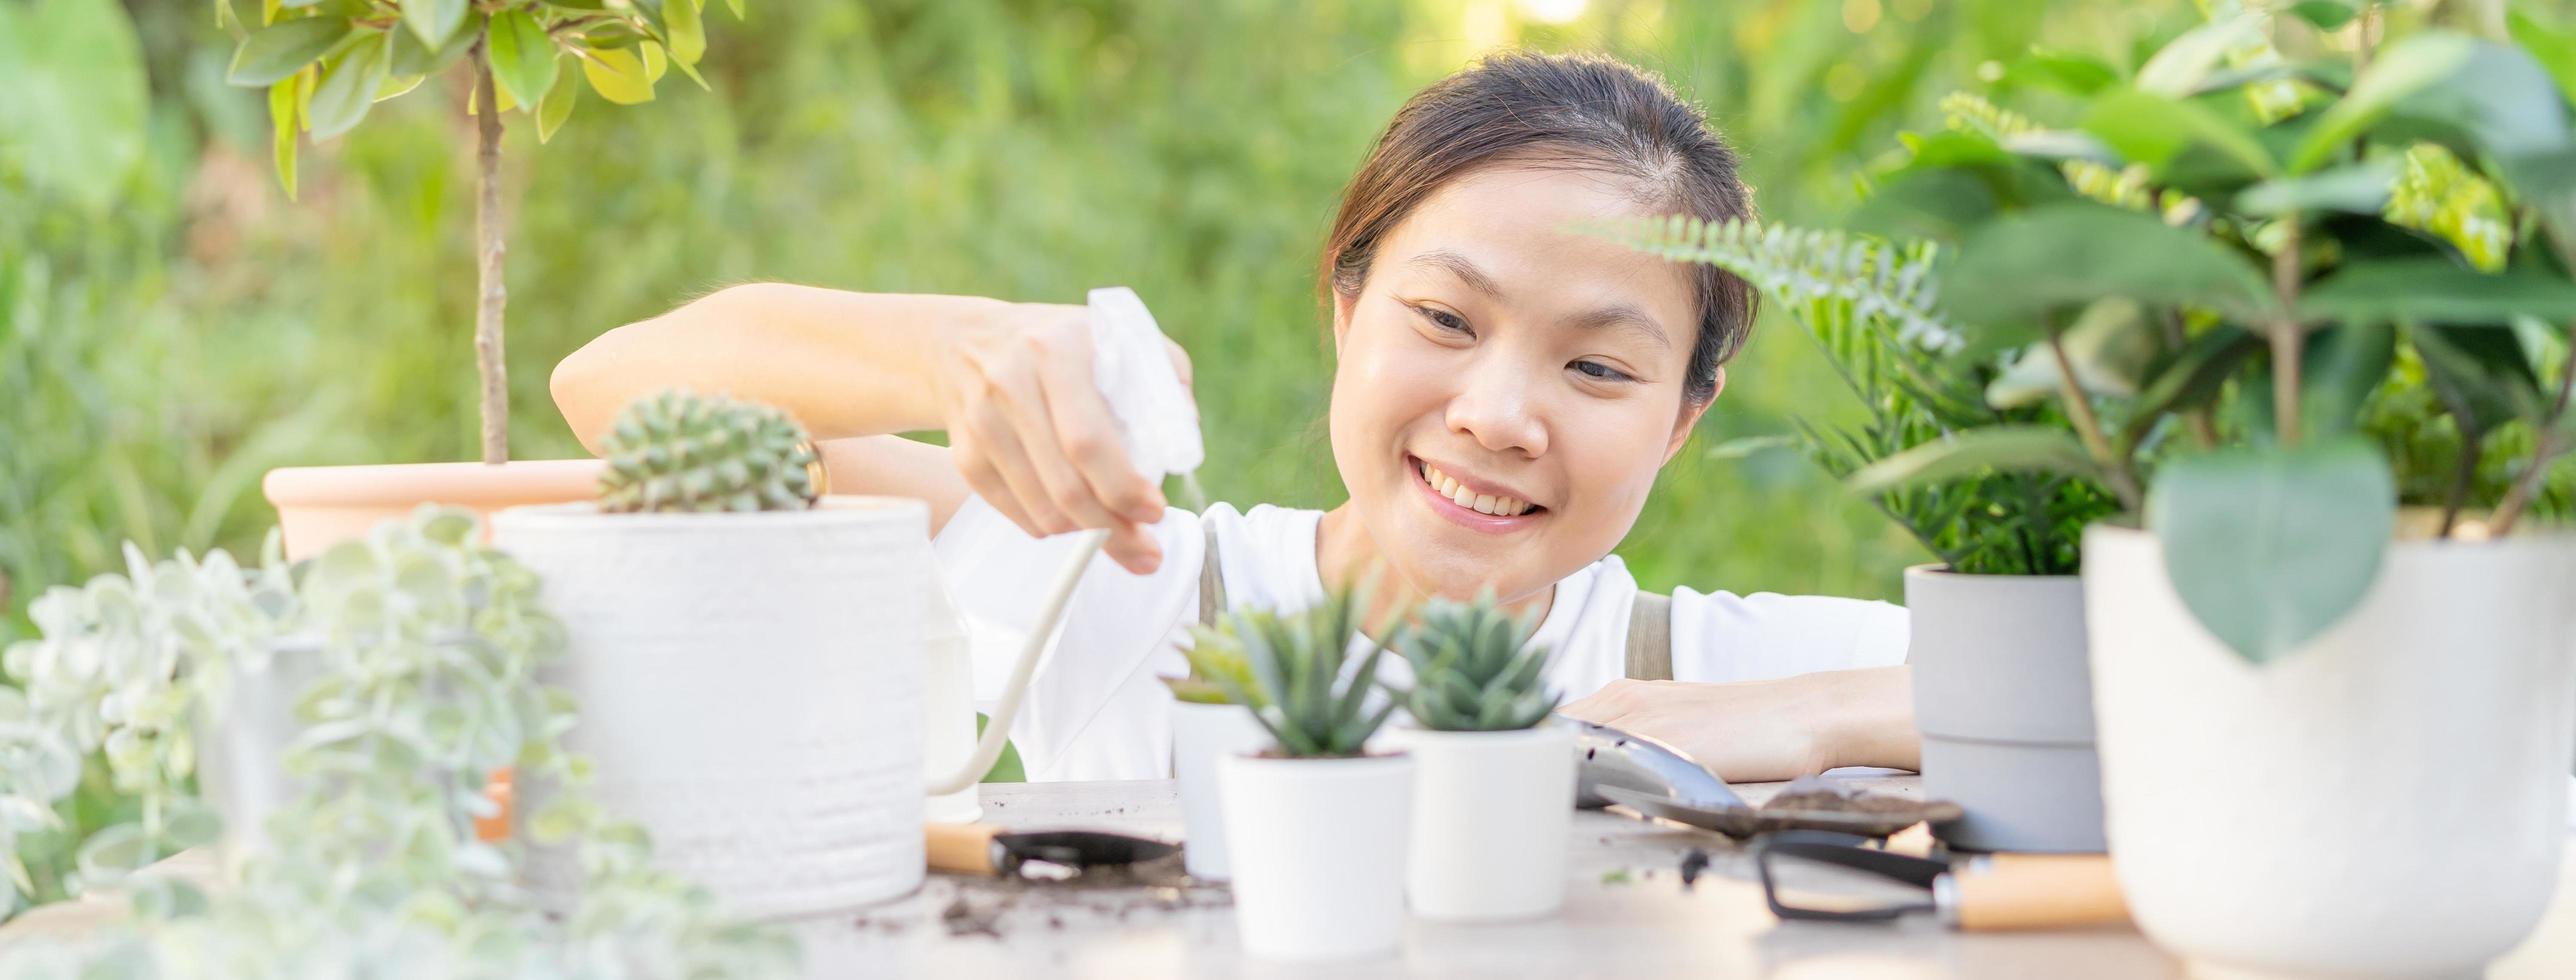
<point x="1480" y="503"/>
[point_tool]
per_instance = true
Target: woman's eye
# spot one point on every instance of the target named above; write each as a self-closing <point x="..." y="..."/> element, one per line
<point x="1444" y="319"/>
<point x="1598" y="371"/>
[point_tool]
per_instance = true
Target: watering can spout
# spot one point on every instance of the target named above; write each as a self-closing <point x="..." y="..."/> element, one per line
<point x="997" y="731"/>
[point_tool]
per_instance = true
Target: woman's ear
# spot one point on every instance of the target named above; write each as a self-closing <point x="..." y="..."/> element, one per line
<point x="1689" y="418"/>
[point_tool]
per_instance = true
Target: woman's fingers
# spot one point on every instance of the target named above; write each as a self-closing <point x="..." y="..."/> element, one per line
<point x="1088" y="435"/>
<point x="999" y="448"/>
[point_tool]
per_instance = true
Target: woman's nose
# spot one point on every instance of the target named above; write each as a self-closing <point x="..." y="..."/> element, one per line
<point x="1494" y="405"/>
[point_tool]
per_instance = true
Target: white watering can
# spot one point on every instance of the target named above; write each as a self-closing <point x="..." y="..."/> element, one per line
<point x="1159" y="425"/>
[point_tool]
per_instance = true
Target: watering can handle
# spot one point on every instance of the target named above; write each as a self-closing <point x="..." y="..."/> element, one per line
<point x="997" y="731"/>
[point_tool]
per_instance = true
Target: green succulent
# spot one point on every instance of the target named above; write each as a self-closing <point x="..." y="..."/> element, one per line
<point x="1470" y="671"/>
<point x="1215" y="659"/>
<point x="683" y="452"/>
<point x="1299" y="686"/>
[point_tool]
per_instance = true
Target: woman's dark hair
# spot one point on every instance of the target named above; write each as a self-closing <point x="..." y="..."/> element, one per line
<point x="1569" y="110"/>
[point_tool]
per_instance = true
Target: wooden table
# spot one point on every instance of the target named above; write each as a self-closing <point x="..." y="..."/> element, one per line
<point x="1627" y="915"/>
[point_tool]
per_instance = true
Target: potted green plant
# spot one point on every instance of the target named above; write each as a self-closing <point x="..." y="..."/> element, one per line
<point x="1493" y="781"/>
<point x="325" y="64"/>
<point x="2002" y="696"/>
<point x="749" y="655"/>
<point x="2333" y="256"/>
<point x="419" y="646"/>
<point x="1315" y="823"/>
<point x="1207" y="726"/>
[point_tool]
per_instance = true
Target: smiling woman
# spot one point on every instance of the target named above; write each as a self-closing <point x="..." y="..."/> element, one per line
<point x="1506" y="389"/>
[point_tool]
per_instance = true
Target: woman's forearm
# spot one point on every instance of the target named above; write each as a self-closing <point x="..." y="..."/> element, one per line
<point x="844" y="363"/>
<point x="1869" y="717"/>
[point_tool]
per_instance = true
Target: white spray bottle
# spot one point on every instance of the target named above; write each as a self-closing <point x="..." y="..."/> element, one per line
<point x="1159" y="425"/>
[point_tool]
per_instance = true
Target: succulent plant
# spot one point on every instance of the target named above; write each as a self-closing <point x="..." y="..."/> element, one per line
<point x="1470" y="671"/>
<point x="1300" y="689"/>
<point x="682" y="452"/>
<point x="1215" y="659"/>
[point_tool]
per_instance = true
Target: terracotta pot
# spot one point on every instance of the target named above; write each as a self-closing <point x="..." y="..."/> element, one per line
<point x="320" y="506"/>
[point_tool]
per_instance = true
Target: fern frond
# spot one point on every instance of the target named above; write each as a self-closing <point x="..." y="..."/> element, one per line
<point x="1830" y="277"/>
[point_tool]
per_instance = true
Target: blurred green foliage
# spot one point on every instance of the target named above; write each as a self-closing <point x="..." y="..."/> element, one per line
<point x="171" y="326"/>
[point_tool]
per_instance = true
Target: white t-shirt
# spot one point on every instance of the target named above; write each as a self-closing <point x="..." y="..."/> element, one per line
<point x="1095" y="709"/>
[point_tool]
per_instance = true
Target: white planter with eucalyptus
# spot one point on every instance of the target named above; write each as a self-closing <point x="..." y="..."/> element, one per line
<point x="2386" y="799"/>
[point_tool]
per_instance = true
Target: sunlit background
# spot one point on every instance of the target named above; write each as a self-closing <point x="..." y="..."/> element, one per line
<point x="175" y="326"/>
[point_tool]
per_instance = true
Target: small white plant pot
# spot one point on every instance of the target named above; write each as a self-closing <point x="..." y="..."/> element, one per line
<point x="2003" y="697"/>
<point x="2388" y="800"/>
<point x="1317" y="851"/>
<point x="1201" y="735"/>
<point x="1491" y="811"/>
<point x="749" y="687"/>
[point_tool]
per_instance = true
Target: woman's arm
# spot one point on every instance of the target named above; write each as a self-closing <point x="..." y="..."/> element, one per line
<point x="1758" y="731"/>
<point x="1010" y="383"/>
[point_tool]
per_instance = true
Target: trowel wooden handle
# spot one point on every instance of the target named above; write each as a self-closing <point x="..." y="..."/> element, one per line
<point x="963" y="848"/>
<point x="2035" y="891"/>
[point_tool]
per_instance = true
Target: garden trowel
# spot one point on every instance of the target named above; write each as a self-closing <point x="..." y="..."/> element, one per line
<point x="984" y="849"/>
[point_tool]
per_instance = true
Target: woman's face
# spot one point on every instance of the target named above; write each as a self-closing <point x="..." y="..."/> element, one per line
<point x="1507" y="388"/>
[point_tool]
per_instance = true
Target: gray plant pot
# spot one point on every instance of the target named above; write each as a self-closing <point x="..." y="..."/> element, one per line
<point x="2004" y="701"/>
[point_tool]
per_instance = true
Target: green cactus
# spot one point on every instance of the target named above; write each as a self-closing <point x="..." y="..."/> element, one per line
<point x="1294" y="676"/>
<point x="1470" y="673"/>
<point x="681" y="452"/>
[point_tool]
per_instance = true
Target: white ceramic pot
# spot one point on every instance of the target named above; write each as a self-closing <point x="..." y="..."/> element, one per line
<point x="749" y="688"/>
<point x="2004" y="701"/>
<point x="2388" y="800"/>
<point x="1317" y="853"/>
<point x="1202" y="734"/>
<point x="1491" y="812"/>
<point x="242" y="741"/>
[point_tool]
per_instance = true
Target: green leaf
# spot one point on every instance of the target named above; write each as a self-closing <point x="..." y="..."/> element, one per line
<point x="410" y="57"/>
<point x="686" y="30"/>
<point x="2181" y="65"/>
<point x="2493" y="98"/>
<point x="2019" y="271"/>
<point x="2339" y="368"/>
<point x="284" y="121"/>
<point x="523" y="57"/>
<point x="2554" y="48"/>
<point x="433" y="21"/>
<point x="618" y="76"/>
<point x="2153" y="130"/>
<point x="736" y="7"/>
<point x="280" y="49"/>
<point x="347" y="88"/>
<point x="2326" y="15"/>
<point x="1974" y="451"/>
<point x="2188" y="379"/>
<point x="555" y="108"/>
<point x="2109" y="346"/>
<point x="2481" y="375"/>
<point x="2066" y="71"/>
<point x="2357" y="189"/>
<point x="2435" y="290"/>
<point x="2270" y="547"/>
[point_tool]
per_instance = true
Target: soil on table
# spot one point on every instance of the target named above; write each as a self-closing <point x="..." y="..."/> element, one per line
<point x="997" y="907"/>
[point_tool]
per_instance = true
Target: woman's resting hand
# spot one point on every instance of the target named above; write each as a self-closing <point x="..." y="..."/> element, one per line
<point x="1030" y="432"/>
<point x="1760" y="731"/>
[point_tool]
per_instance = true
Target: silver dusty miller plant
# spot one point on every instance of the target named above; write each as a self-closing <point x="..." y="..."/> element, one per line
<point x="421" y="647"/>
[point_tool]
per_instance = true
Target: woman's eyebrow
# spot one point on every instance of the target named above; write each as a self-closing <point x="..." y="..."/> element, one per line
<point x="1626" y="317"/>
<point x="1466" y="271"/>
<point x="1622" y="315"/>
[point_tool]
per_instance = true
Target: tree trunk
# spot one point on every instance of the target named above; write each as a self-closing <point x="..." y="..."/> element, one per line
<point x="491" y="293"/>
